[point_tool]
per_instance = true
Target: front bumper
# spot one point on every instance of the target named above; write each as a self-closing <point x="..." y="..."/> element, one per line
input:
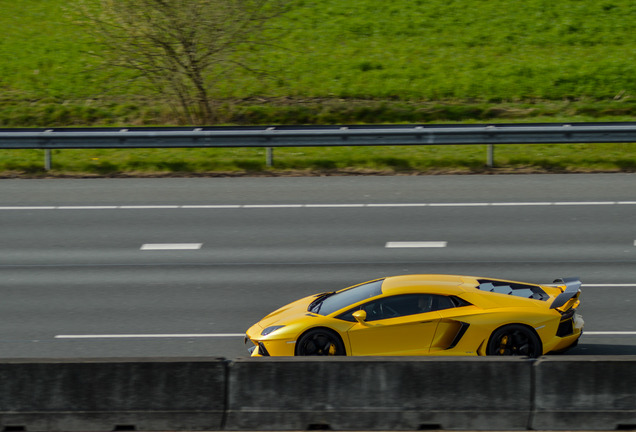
<point x="268" y="346"/>
<point x="258" y="350"/>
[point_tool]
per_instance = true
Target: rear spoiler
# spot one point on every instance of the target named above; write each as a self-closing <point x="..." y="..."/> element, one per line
<point x="572" y="290"/>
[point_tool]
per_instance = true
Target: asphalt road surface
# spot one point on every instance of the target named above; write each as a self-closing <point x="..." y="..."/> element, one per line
<point x="182" y="267"/>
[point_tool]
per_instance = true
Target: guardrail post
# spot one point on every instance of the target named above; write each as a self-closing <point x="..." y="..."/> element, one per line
<point x="269" y="158"/>
<point x="47" y="154"/>
<point x="490" y="162"/>
<point x="47" y="159"/>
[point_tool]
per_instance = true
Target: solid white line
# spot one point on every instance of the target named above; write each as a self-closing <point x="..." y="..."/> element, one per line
<point x="597" y="203"/>
<point x="610" y="333"/>
<point x="609" y="285"/>
<point x="334" y="205"/>
<point x="28" y="208"/>
<point x="132" y="336"/>
<point x="212" y="206"/>
<point x="416" y="244"/>
<point x="171" y="246"/>
<point x="266" y="206"/>
<point x="459" y="204"/>
<point x="231" y="335"/>
<point x="347" y="205"/>
<point x="87" y="208"/>
<point x="149" y="207"/>
<point x="515" y="204"/>
<point x="398" y="205"/>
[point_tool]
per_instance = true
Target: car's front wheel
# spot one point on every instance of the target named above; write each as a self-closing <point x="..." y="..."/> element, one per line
<point x="514" y="340"/>
<point x="320" y="342"/>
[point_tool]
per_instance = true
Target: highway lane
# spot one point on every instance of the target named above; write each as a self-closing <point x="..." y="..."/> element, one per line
<point x="72" y="263"/>
<point x="286" y="190"/>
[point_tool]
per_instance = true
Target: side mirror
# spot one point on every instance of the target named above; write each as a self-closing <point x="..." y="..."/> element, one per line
<point x="360" y="316"/>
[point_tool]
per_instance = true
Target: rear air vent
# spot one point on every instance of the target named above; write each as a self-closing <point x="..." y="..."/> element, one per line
<point x="510" y="288"/>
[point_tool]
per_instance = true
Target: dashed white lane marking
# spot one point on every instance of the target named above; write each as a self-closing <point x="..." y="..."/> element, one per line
<point x="171" y="246"/>
<point x="136" y="336"/>
<point x="346" y="205"/>
<point x="416" y="244"/>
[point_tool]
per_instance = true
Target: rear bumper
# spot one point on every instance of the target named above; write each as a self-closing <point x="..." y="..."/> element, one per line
<point x="568" y="334"/>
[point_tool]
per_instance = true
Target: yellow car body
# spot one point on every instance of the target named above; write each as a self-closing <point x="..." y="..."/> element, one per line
<point x="442" y="315"/>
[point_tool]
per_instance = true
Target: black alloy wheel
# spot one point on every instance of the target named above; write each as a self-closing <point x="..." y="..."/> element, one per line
<point x="320" y="342"/>
<point x="514" y="340"/>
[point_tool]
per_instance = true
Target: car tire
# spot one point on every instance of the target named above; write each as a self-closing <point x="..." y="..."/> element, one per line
<point x="515" y="340"/>
<point x="320" y="342"/>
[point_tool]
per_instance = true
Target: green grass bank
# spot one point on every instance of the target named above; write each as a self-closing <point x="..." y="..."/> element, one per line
<point x="363" y="61"/>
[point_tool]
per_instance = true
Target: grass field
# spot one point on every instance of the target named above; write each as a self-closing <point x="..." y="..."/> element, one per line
<point x="558" y="158"/>
<point x="363" y="61"/>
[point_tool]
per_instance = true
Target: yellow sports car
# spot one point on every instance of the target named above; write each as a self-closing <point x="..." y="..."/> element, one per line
<point x="426" y="315"/>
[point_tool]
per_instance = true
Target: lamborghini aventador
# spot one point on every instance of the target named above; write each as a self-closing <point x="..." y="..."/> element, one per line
<point x="440" y="315"/>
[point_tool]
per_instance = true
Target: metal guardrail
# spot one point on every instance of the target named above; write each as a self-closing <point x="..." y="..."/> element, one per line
<point x="317" y="136"/>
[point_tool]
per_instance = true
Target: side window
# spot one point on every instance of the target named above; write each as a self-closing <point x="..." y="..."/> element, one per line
<point x="400" y="305"/>
<point x="442" y="302"/>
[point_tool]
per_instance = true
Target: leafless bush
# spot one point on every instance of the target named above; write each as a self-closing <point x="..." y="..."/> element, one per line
<point x="181" y="47"/>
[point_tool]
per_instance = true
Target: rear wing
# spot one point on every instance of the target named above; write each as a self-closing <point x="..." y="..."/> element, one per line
<point x="572" y="291"/>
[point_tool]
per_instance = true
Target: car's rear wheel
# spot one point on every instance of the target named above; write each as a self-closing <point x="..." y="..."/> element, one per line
<point x="514" y="340"/>
<point x="320" y="342"/>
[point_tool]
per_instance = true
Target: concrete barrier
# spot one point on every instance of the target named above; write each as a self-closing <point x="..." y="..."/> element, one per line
<point x="585" y="393"/>
<point x="361" y="393"/>
<point x="115" y="394"/>
<point x="379" y="393"/>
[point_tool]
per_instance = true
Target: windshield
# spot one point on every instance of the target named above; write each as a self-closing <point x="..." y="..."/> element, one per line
<point x="334" y="302"/>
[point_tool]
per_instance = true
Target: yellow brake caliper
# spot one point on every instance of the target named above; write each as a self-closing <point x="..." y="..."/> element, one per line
<point x="502" y="345"/>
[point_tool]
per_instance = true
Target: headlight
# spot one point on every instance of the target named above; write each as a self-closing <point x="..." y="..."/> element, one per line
<point x="270" y="329"/>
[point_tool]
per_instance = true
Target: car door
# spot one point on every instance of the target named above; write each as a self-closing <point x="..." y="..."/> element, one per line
<point x="396" y="325"/>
